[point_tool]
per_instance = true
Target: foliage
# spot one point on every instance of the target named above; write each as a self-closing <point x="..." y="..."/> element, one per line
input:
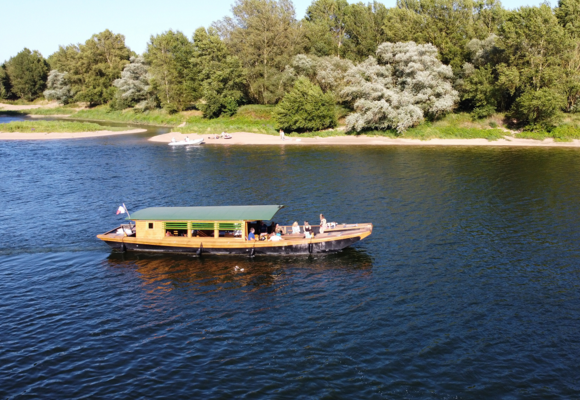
<point x="250" y="118"/>
<point x="327" y="72"/>
<point x="264" y="34"/>
<point x="306" y="108"/>
<point x="133" y="86"/>
<point x="55" y="126"/>
<point x="174" y="80"/>
<point x="93" y="66"/>
<point x="58" y="87"/>
<point x="4" y="83"/>
<point x="538" y="108"/>
<point x="398" y="90"/>
<point x="221" y="74"/>
<point x="27" y="72"/>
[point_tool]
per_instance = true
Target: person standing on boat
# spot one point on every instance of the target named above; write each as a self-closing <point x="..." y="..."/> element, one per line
<point x="322" y="223"/>
<point x="282" y="135"/>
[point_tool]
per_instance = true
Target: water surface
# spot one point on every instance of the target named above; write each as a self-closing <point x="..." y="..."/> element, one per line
<point x="468" y="287"/>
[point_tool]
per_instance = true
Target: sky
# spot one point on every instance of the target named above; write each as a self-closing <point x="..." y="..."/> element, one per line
<point x="43" y="25"/>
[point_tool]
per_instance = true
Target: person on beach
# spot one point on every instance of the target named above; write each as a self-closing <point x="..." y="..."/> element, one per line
<point x="295" y="227"/>
<point x="322" y="223"/>
<point x="251" y="236"/>
<point x="282" y="135"/>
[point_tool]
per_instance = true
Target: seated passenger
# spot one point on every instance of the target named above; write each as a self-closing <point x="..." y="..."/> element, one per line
<point x="279" y="230"/>
<point x="168" y="233"/>
<point x="276" y="237"/>
<point x="251" y="236"/>
<point x="307" y="227"/>
<point x="263" y="229"/>
<point x="307" y="235"/>
<point x="295" y="227"/>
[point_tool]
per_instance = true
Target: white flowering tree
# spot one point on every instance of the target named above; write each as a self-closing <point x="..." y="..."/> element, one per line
<point x="327" y="72"/>
<point x="399" y="88"/>
<point x="133" y="86"/>
<point x="58" y="87"/>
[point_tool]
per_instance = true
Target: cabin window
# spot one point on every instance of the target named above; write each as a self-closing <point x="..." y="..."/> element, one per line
<point x="150" y="225"/>
<point x="175" y="229"/>
<point x="202" y="229"/>
<point x="230" y="229"/>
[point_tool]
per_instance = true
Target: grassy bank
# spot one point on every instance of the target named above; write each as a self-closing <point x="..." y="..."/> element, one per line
<point x="154" y="117"/>
<point x="251" y="118"/>
<point x="55" y="127"/>
<point x="48" y="111"/>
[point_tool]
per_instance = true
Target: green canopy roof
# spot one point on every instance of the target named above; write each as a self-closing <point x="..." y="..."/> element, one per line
<point x="223" y="213"/>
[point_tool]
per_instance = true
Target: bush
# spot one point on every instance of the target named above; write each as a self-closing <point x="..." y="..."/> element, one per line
<point x="306" y="108"/>
<point x="538" y="109"/>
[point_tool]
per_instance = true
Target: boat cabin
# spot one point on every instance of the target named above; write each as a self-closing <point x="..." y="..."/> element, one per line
<point x="230" y="222"/>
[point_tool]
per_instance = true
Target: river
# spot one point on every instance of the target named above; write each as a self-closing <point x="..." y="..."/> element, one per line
<point x="467" y="288"/>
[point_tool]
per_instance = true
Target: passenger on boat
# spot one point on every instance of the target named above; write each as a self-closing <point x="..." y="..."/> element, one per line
<point x="323" y="225"/>
<point x="295" y="227"/>
<point x="251" y="235"/>
<point x="168" y="233"/>
<point x="263" y="229"/>
<point x="278" y="230"/>
<point x="276" y="237"/>
<point x="307" y="227"/>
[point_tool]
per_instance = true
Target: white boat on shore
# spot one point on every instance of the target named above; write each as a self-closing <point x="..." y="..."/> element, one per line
<point x="186" y="142"/>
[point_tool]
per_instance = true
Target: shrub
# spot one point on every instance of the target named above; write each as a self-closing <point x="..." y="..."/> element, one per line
<point x="538" y="108"/>
<point x="305" y="108"/>
<point x="58" y="87"/>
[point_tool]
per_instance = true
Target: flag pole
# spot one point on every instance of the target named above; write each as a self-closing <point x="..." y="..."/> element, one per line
<point x="125" y="207"/>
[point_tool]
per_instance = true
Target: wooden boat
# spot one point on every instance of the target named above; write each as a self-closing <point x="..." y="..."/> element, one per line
<point x="223" y="230"/>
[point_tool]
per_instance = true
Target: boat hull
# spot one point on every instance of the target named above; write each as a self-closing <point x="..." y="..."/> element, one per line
<point x="290" y="249"/>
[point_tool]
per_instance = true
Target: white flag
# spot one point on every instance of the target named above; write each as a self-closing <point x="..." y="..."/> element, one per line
<point x="121" y="210"/>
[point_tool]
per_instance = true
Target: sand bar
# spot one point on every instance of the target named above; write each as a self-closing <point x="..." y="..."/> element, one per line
<point x="245" y="138"/>
<point x="63" y="135"/>
<point x="14" y="107"/>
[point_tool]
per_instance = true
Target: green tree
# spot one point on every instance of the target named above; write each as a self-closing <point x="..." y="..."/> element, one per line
<point x="221" y="74"/>
<point x="535" y="45"/>
<point x="93" y="66"/>
<point x="169" y="56"/>
<point x="264" y="34"/>
<point x="365" y="30"/>
<point x="4" y="83"/>
<point x="27" y="72"/>
<point x="568" y="14"/>
<point x="326" y="24"/>
<point x="447" y="24"/>
<point x="306" y="108"/>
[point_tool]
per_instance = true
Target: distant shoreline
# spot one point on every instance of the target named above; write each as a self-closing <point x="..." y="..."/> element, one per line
<point x="63" y="135"/>
<point x="246" y="138"/>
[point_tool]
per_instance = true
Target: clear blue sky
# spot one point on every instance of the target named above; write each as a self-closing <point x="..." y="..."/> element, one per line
<point x="45" y="24"/>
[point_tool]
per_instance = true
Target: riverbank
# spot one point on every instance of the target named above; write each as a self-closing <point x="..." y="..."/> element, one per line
<point x="41" y="130"/>
<point x="63" y="135"/>
<point x="247" y="138"/>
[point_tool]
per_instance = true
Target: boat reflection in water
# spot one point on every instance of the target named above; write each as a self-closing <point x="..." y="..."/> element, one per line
<point x="168" y="272"/>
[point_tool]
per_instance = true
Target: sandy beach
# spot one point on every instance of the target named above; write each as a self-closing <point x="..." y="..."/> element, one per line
<point x="63" y="135"/>
<point x="14" y="107"/>
<point x="245" y="138"/>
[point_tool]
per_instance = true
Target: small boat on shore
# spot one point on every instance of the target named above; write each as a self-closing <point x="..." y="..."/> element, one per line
<point x="224" y="230"/>
<point x="186" y="142"/>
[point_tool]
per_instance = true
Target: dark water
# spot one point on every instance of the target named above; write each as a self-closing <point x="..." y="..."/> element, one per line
<point x="468" y="287"/>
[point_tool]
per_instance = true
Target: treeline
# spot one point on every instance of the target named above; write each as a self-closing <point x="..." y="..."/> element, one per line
<point x="392" y="67"/>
